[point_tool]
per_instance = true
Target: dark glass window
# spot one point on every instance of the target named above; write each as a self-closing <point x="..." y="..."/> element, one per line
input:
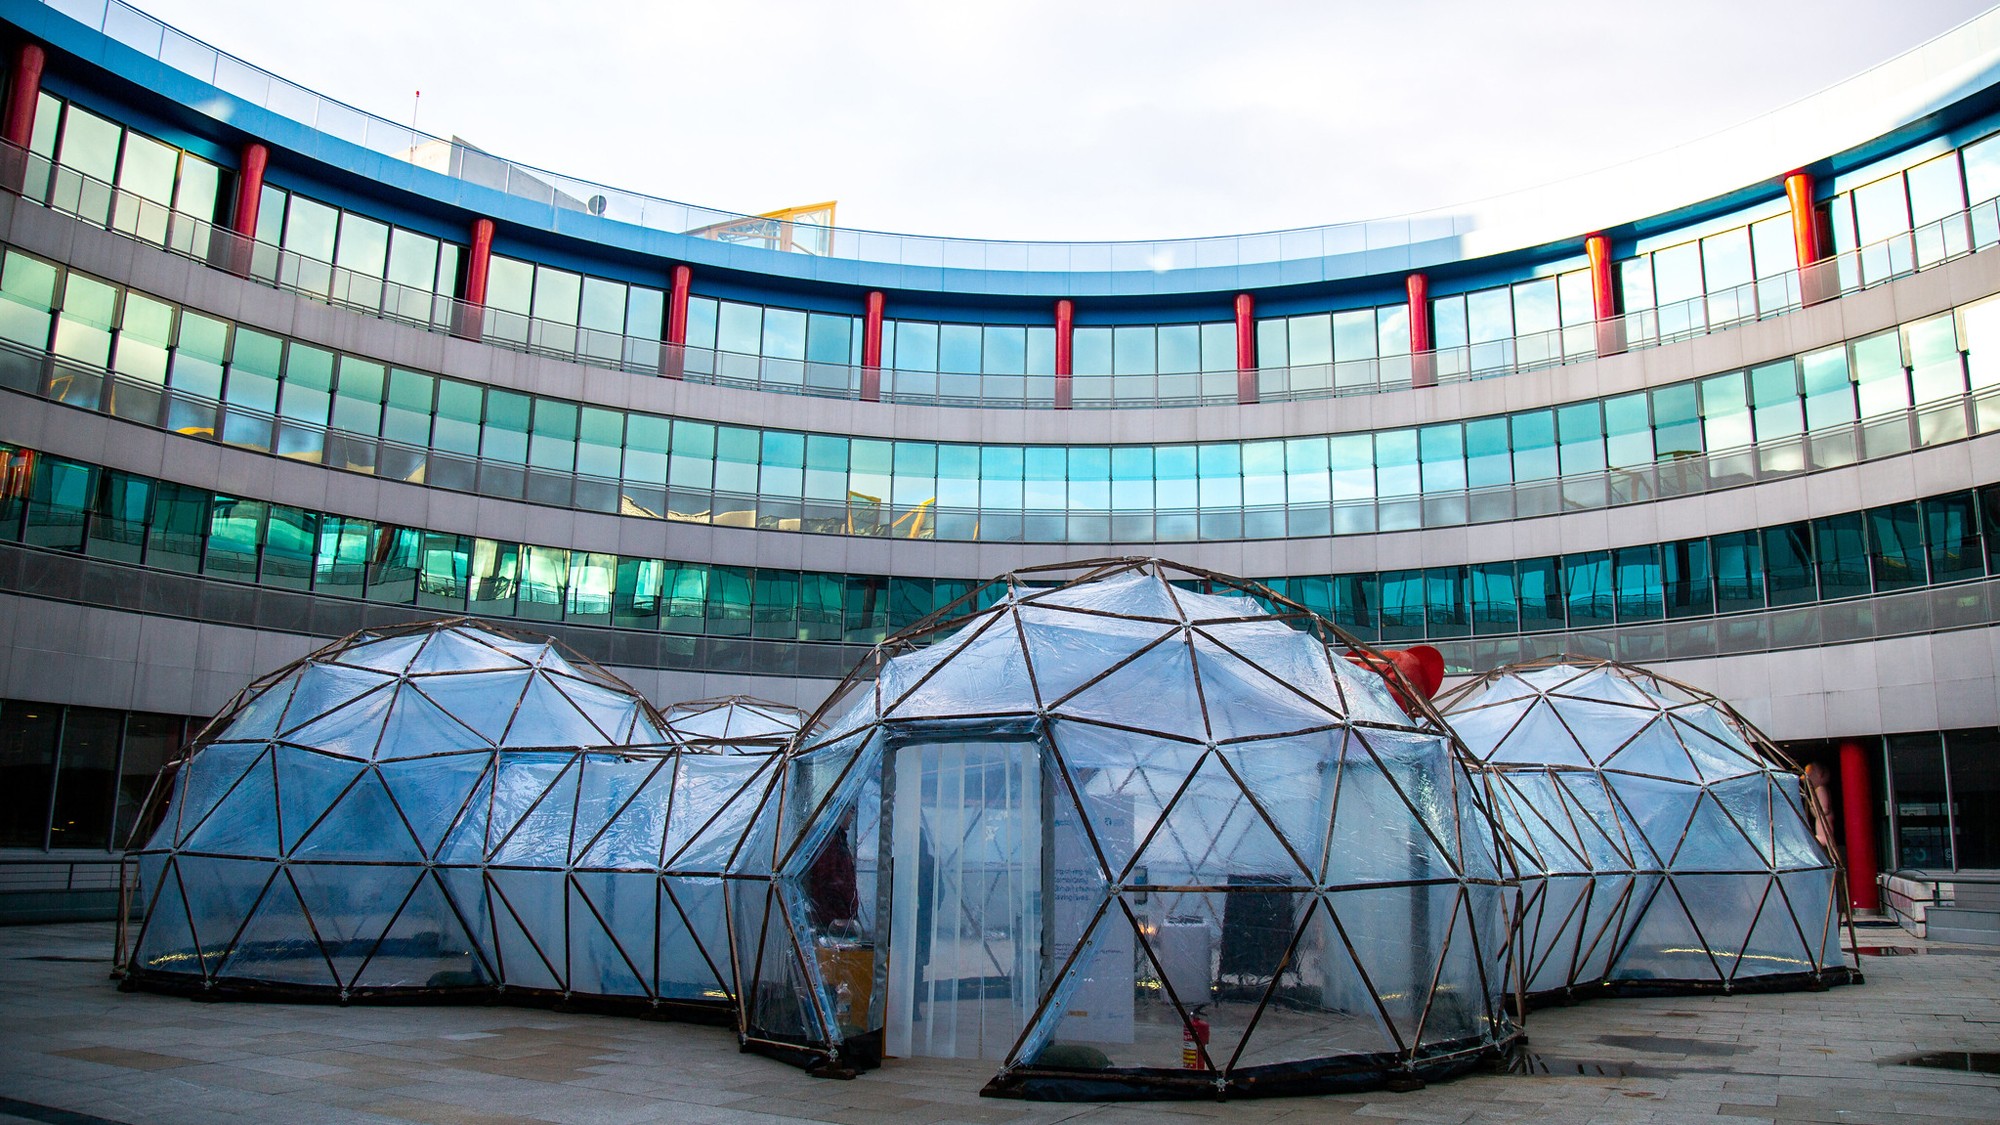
<point x="635" y="602"/>
<point x="178" y="527"/>
<point x="1496" y="603"/>
<point x="1788" y="563"/>
<point x="149" y="741"/>
<point x="59" y="504"/>
<point x="1540" y="583"/>
<point x="1402" y="605"/>
<point x="1922" y="804"/>
<point x="729" y="601"/>
<point x="86" y="778"/>
<point x="1989" y="522"/>
<point x="1951" y="534"/>
<point x="1354" y="604"/>
<point x="235" y="530"/>
<point x="27" y="770"/>
<point x="867" y="609"/>
<point x="1896" y="541"/>
<point x="1841" y="550"/>
<point x="1587" y="586"/>
<point x="1447" y="611"/>
<point x="340" y="561"/>
<point x="291" y="544"/>
<point x="1690" y="586"/>
<point x="392" y="565"/>
<point x="1639" y="584"/>
<point x="1975" y="795"/>
<point x="118" y="516"/>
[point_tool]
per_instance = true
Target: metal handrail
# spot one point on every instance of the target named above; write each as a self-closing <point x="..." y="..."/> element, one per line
<point x="48" y="376"/>
<point x="108" y="207"/>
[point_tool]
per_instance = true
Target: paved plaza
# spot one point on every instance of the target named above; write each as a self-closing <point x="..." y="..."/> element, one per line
<point x="76" y="1051"/>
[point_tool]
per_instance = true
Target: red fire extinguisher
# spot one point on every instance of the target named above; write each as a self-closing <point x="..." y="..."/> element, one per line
<point x="1194" y="1036"/>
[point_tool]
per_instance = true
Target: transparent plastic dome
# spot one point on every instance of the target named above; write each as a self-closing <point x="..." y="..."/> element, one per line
<point x="1137" y="828"/>
<point x="1666" y="844"/>
<point x="444" y="807"/>
<point x="733" y="723"/>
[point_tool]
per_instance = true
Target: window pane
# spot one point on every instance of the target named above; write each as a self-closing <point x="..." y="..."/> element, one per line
<point x="310" y="228"/>
<point x="1180" y="348"/>
<point x="27" y="759"/>
<point x="1534" y="440"/>
<point x="1588" y="588"/>
<point x="510" y="285"/>
<point x="364" y="245"/>
<point x="1951" y="534"/>
<point x="1739" y="571"/>
<point x="1829" y="393"/>
<point x="1896" y="541"/>
<point x="557" y="295"/>
<point x="1676" y="422"/>
<point x="1882" y="386"/>
<point x="1006" y="350"/>
<point x="784" y="334"/>
<point x="1974" y="757"/>
<point x="89" y="144"/>
<point x="1690" y="588"/>
<point x="1788" y="564"/>
<point x="149" y="741"/>
<point x="1639" y="583"/>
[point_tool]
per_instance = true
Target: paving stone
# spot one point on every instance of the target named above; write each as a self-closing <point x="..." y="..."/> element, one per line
<point x="70" y="1041"/>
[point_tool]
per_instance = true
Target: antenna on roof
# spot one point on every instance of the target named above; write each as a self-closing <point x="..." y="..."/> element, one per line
<point x="414" y="103"/>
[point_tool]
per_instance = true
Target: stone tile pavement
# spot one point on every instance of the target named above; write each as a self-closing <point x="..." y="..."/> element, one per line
<point x="75" y="1051"/>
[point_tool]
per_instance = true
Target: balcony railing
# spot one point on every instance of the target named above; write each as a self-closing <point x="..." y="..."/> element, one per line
<point x="111" y="208"/>
<point x="1885" y="435"/>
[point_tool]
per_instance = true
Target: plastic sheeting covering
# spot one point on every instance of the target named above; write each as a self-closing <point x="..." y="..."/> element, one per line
<point x="1137" y="839"/>
<point x="734" y="723"/>
<point x="1665" y="843"/>
<point x="1126" y="828"/>
<point x="446" y="808"/>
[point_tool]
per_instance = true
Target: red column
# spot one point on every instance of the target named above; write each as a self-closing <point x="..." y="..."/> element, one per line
<point x="1423" y="353"/>
<point x="871" y="349"/>
<point x="472" y="298"/>
<point x="22" y="95"/>
<point x="1805" y="222"/>
<point x="1857" y="814"/>
<point x="1816" y="282"/>
<point x="249" y="188"/>
<point x="1065" y="357"/>
<point x="1246" y="348"/>
<point x="250" y="168"/>
<point x="677" y="323"/>
<point x="479" y="261"/>
<point x="1604" y="296"/>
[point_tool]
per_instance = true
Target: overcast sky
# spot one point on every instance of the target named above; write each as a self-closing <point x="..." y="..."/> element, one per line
<point x="1070" y="119"/>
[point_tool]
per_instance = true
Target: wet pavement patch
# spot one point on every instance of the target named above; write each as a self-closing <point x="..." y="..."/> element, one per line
<point x="1668" y="1045"/>
<point x="1978" y="1062"/>
<point x="1522" y="1062"/>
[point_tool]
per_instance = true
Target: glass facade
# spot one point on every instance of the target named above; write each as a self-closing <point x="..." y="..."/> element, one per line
<point x="203" y="376"/>
<point x="1941" y="793"/>
<point x="1675" y="287"/>
<point x="172" y="198"/>
<point x="58" y="504"/>
<point x="76" y="776"/>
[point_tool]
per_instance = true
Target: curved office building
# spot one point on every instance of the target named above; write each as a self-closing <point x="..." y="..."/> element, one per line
<point x="273" y="370"/>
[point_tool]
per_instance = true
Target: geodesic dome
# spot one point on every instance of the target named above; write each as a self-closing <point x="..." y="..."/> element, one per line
<point x="1665" y="843"/>
<point x="1128" y="831"/>
<point x="444" y="807"/>
<point x="733" y="723"/>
